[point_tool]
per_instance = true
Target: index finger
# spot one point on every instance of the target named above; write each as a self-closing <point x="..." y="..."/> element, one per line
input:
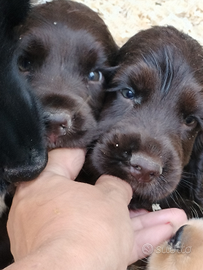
<point x="173" y="216"/>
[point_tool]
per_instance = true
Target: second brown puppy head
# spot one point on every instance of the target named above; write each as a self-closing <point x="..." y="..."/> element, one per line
<point x="66" y="51"/>
<point x="152" y="121"/>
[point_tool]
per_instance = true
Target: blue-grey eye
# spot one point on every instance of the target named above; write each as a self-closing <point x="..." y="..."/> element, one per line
<point x="128" y="93"/>
<point x="95" y="76"/>
<point x="190" y="121"/>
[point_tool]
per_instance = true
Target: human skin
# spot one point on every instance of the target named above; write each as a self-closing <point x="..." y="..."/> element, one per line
<point x="55" y="222"/>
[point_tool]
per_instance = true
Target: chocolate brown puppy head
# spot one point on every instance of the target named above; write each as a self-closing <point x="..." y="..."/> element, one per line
<point x="66" y="52"/>
<point x="153" y="114"/>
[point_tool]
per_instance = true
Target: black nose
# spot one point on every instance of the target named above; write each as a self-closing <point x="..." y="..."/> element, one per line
<point x="58" y="124"/>
<point x="144" y="168"/>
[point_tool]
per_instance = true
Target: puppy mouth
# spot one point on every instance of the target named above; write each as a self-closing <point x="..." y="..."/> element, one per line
<point x="66" y="140"/>
<point x="152" y="167"/>
<point x="146" y="195"/>
<point x="136" y="207"/>
<point x="137" y="203"/>
<point x="150" y="180"/>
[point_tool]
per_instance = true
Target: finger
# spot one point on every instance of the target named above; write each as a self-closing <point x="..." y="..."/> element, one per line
<point x="65" y="162"/>
<point x="137" y="213"/>
<point x="115" y="186"/>
<point x="173" y="216"/>
<point x="146" y="242"/>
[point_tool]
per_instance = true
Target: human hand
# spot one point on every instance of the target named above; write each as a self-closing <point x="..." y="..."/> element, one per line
<point x="55" y="221"/>
<point x="153" y="228"/>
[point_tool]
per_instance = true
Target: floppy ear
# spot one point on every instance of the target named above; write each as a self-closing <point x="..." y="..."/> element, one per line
<point x="191" y="185"/>
<point x="189" y="192"/>
<point x="196" y="168"/>
<point x="109" y="73"/>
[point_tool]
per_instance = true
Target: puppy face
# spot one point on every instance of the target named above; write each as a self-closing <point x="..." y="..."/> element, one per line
<point x="183" y="251"/>
<point x="152" y="114"/>
<point x="22" y="151"/>
<point x="65" y="53"/>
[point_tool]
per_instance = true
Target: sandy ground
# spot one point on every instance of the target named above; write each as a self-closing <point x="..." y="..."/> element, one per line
<point x="126" y="17"/>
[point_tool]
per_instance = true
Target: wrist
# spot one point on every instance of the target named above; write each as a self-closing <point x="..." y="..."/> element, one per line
<point x="60" y="255"/>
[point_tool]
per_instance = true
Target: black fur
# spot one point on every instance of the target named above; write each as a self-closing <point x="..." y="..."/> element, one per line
<point x="22" y="151"/>
<point x="23" y="155"/>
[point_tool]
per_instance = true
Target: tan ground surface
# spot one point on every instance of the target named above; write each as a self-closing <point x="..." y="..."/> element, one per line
<point x="127" y="17"/>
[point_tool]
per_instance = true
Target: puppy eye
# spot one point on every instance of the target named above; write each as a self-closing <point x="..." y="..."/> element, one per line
<point x="128" y="93"/>
<point x="95" y="76"/>
<point x="24" y="64"/>
<point x="190" y="121"/>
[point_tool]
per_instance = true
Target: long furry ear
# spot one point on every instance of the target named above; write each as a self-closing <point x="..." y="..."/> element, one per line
<point x="195" y="171"/>
<point x="189" y="193"/>
<point x="109" y="73"/>
<point x="197" y="157"/>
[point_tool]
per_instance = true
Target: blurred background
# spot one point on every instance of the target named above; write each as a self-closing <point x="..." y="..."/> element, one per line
<point x="126" y="18"/>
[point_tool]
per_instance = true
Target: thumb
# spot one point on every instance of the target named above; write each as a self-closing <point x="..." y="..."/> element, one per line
<point x="65" y="162"/>
<point x="115" y="187"/>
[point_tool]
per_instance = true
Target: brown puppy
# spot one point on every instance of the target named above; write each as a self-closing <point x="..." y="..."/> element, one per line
<point x="152" y="121"/>
<point x="65" y="52"/>
<point x="183" y="252"/>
